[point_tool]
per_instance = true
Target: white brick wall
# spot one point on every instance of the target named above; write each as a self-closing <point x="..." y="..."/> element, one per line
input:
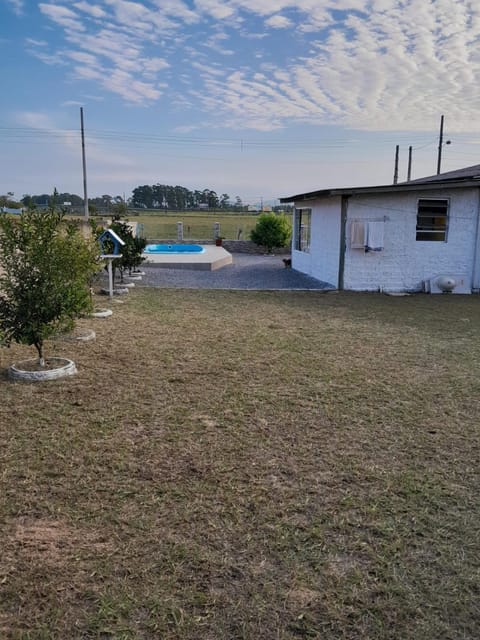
<point x="324" y="253"/>
<point x="404" y="263"/>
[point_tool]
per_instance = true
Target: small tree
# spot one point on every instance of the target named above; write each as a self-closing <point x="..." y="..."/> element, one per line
<point x="132" y="250"/>
<point x="47" y="269"/>
<point x="272" y="231"/>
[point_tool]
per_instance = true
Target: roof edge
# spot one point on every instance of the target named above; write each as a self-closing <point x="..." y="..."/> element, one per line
<point x="404" y="186"/>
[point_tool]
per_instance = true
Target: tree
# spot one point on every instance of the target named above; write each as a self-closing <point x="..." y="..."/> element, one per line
<point x="47" y="269"/>
<point x="119" y="208"/>
<point x="132" y="250"/>
<point x="224" y="201"/>
<point x="27" y="201"/>
<point x="7" y="201"/>
<point x="272" y="231"/>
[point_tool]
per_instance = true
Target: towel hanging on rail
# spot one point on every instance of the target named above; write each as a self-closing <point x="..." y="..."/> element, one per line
<point x="357" y="234"/>
<point x="375" y="236"/>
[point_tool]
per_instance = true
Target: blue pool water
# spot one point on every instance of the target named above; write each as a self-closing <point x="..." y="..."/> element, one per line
<point x="174" y="248"/>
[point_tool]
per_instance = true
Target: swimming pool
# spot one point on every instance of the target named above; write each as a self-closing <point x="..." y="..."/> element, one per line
<point x="174" y="248"/>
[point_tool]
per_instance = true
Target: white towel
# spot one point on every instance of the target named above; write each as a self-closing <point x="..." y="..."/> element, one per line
<point x="357" y="234"/>
<point x="375" y="236"/>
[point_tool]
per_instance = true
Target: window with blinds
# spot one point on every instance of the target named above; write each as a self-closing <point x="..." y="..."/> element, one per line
<point x="432" y="220"/>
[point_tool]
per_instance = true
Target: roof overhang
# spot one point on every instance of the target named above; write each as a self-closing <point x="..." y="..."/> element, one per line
<point x="392" y="188"/>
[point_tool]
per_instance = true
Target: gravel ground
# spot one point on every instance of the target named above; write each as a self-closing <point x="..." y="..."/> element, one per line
<point x="246" y="272"/>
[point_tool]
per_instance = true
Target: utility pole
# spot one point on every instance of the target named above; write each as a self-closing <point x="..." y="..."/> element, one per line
<point x="409" y="170"/>
<point x="440" y="145"/>
<point x="395" y="171"/>
<point x="85" y="197"/>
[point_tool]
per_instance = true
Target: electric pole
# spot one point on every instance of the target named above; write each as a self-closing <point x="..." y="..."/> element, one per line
<point x="395" y="171"/>
<point x="85" y="197"/>
<point x="409" y="170"/>
<point x="440" y="145"/>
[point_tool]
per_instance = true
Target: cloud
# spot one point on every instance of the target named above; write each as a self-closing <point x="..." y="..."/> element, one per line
<point x="278" y="22"/>
<point x="132" y="90"/>
<point x="62" y="16"/>
<point x="178" y="9"/>
<point x="84" y="58"/>
<point x="92" y="9"/>
<point x="216" y="8"/>
<point x="34" y="119"/>
<point x="368" y="64"/>
<point x="397" y="68"/>
<point x="17" y="6"/>
<point x="36" y="43"/>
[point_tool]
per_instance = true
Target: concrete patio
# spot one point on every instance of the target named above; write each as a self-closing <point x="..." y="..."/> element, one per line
<point x="246" y="271"/>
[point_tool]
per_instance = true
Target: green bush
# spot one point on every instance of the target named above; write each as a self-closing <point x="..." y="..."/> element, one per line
<point x="272" y="231"/>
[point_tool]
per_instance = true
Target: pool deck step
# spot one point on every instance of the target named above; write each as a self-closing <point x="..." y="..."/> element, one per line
<point x="211" y="259"/>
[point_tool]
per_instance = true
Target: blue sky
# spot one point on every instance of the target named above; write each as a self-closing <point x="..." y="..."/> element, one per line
<point x="256" y="98"/>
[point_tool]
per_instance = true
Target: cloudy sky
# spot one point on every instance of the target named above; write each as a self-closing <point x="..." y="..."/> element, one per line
<point x="256" y="98"/>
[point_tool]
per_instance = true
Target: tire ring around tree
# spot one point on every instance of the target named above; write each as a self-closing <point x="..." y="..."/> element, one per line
<point x="85" y="335"/>
<point x="101" y="313"/>
<point x="65" y="368"/>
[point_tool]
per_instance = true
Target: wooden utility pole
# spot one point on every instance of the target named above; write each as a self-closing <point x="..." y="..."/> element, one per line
<point x="395" y="171"/>
<point x="409" y="170"/>
<point x="85" y="197"/>
<point x="440" y="143"/>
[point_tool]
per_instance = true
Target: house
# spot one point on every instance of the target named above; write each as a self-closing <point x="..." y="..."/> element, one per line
<point x="393" y="238"/>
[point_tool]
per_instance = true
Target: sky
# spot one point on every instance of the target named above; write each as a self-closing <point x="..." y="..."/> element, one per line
<point x="259" y="99"/>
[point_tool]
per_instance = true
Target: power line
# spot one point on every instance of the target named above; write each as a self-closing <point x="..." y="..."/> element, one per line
<point x="30" y="134"/>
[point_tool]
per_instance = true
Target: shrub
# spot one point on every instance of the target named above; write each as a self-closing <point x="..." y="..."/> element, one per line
<point x="132" y="251"/>
<point x="272" y="231"/>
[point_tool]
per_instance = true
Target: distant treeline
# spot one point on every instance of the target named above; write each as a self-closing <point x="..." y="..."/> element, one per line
<point x="165" y="196"/>
<point x="157" y="196"/>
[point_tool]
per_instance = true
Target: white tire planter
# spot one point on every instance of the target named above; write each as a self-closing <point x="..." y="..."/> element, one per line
<point x="101" y="313"/>
<point x="116" y="292"/>
<point x="84" y="335"/>
<point x="23" y="371"/>
<point x="125" y="285"/>
<point x="133" y="277"/>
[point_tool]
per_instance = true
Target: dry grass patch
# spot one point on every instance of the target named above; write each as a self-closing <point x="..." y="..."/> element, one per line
<point x="248" y="465"/>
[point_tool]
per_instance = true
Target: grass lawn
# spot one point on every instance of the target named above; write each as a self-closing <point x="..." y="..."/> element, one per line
<point x="248" y="465"/>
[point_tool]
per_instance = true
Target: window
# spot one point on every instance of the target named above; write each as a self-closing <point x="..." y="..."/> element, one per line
<point x="432" y="219"/>
<point x="302" y="229"/>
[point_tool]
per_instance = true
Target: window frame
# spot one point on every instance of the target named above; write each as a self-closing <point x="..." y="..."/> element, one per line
<point x="303" y="229"/>
<point x="434" y="231"/>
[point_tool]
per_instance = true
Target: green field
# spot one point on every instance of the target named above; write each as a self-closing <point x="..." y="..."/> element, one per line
<point x="196" y="226"/>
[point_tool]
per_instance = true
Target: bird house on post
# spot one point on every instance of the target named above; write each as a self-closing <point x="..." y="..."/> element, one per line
<point x="106" y="240"/>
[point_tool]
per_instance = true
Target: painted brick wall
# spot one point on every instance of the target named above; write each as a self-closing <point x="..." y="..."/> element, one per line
<point x="405" y="263"/>
<point x="323" y="260"/>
